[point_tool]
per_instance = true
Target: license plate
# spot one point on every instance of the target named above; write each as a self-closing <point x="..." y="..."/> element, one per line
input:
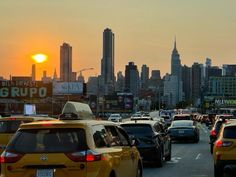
<point x="181" y="131"/>
<point x="44" y="173"/>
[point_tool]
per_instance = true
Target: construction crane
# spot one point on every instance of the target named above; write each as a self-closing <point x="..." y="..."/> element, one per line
<point x="84" y="69"/>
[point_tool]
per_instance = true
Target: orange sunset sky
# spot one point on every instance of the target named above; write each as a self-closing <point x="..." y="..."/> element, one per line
<point x="144" y="33"/>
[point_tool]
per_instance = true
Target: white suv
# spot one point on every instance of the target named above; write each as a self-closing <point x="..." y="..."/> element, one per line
<point x="115" y="118"/>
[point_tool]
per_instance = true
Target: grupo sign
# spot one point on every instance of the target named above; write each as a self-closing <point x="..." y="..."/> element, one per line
<point x="64" y="88"/>
<point x="25" y="89"/>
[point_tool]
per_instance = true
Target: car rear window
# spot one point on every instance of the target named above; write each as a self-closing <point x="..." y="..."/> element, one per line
<point x="138" y="129"/>
<point x="48" y="140"/>
<point x="230" y="132"/>
<point x="10" y="126"/>
<point x="182" y="118"/>
<point x="166" y="117"/>
<point x="182" y="124"/>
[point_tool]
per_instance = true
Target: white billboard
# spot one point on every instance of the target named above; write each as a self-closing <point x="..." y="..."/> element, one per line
<point x="64" y="88"/>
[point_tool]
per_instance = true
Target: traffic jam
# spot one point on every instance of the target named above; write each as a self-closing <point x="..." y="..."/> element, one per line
<point x="76" y="143"/>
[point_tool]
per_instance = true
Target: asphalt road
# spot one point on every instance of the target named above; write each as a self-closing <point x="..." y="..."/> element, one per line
<point x="188" y="160"/>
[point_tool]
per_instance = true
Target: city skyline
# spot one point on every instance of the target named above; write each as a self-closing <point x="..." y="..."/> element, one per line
<point x="144" y="33"/>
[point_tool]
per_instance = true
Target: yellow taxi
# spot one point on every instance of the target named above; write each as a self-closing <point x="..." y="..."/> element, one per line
<point x="224" y="152"/>
<point x="71" y="147"/>
<point x="9" y="125"/>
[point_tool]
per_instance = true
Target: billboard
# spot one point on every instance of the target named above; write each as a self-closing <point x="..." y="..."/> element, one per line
<point x="24" y="89"/>
<point x="122" y="102"/>
<point x="65" y="88"/>
<point x="225" y="102"/>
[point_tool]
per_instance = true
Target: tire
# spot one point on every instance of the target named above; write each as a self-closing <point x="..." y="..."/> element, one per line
<point x="196" y="139"/>
<point x="211" y="148"/>
<point x="160" y="160"/>
<point x="168" y="157"/>
<point x="139" y="170"/>
<point x="218" y="171"/>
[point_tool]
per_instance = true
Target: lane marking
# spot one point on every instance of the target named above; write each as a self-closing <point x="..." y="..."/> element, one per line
<point x="174" y="160"/>
<point x="198" y="156"/>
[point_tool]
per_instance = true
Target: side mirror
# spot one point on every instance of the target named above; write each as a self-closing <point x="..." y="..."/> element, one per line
<point x="133" y="140"/>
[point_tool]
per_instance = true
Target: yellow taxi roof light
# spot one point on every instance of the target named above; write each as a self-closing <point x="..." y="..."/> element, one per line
<point x="76" y="110"/>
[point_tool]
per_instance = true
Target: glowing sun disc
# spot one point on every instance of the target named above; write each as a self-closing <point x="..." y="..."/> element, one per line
<point x="39" y="58"/>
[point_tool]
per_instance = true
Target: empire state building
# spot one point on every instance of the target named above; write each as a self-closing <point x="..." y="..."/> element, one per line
<point x="176" y="70"/>
<point x="176" y="63"/>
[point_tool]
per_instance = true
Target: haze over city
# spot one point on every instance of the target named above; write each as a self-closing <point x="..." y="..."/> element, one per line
<point x="144" y="33"/>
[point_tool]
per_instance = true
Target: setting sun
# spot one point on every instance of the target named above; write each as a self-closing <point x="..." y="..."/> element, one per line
<point x="39" y="58"/>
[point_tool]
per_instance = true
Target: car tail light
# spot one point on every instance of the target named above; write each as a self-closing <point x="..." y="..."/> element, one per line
<point x="221" y="143"/>
<point x="12" y="118"/>
<point x="84" y="156"/>
<point x="46" y="124"/>
<point x="10" y="157"/>
<point x="213" y="132"/>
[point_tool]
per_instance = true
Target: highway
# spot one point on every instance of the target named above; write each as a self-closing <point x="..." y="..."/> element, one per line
<point x="188" y="160"/>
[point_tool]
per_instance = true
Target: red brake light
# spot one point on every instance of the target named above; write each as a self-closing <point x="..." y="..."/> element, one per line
<point x="12" y="118"/>
<point x="213" y="133"/>
<point x="10" y="157"/>
<point x="46" y="125"/>
<point x="93" y="157"/>
<point x="221" y="143"/>
<point x="84" y="156"/>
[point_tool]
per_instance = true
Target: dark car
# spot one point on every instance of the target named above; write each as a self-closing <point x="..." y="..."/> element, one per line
<point x="216" y="129"/>
<point x="184" y="130"/>
<point x="152" y="140"/>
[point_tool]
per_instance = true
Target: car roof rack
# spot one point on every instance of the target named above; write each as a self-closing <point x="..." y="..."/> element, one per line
<point x="76" y="111"/>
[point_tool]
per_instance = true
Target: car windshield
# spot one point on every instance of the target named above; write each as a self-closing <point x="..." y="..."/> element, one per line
<point x="138" y="129"/>
<point x="182" y="124"/>
<point x="48" y="140"/>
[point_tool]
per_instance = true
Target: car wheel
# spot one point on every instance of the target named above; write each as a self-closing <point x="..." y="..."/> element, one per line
<point x="211" y="148"/>
<point x="160" y="160"/>
<point x="139" y="171"/>
<point x="168" y="157"/>
<point x="196" y="139"/>
<point x="218" y="171"/>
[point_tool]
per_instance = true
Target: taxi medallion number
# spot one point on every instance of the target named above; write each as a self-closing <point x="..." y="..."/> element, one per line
<point x="44" y="173"/>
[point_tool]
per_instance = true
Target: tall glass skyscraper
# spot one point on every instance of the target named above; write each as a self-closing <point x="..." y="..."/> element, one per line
<point x="107" y="64"/>
<point x="66" y="63"/>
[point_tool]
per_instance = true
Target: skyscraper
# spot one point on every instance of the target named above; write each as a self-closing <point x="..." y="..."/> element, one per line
<point x="176" y="63"/>
<point x="176" y="70"/>
<point x="120" y="83"/>
<point x="65" y="62"/>
<point x="229" y="70"/>
<point x="144" y="77"/>
<point x="107" y="64"/>
<point x="186" y="78"/>
<point x="155" y="80"/>
<point x="197" y="70"/>
<point x="132" y="78"/>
